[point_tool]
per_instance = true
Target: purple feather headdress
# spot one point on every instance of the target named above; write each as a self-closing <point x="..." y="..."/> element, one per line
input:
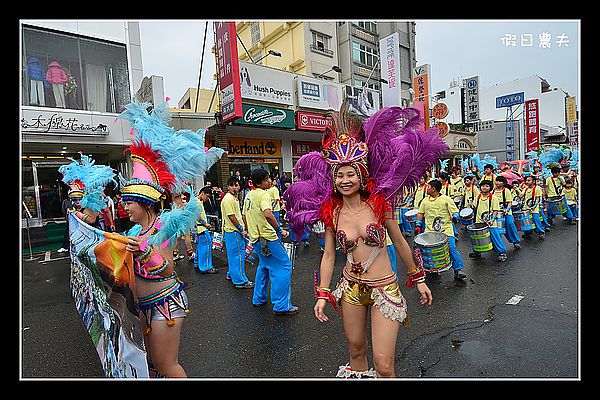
<point x="399" y="152"/>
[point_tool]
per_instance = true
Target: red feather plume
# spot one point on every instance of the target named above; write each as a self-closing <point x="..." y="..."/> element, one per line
<point x="143" y="150"/>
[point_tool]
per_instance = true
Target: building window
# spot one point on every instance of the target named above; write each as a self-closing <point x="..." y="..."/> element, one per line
<point x="71" y="72"/>
<point x="364" y="54"/>
<point x="367" y="26"/>
<point x="463" y="145"/>
<point x="255" y="32"/>
<point x="320" y="43"/>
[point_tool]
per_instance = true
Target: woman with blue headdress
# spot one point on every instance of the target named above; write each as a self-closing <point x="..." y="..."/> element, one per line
<point x="86" y="183"/>
<point x="163" y="159"/>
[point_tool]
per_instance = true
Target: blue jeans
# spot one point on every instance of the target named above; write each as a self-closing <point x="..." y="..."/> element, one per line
<point x="276" y="270"/>
<point x="235" y="246"/>
<point x="203" y="257"/>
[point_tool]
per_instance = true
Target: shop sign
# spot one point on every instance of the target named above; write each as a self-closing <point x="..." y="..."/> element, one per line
<point x="421" y="88"/>
<point x="390" y="69"/>
<point x="228" y="70"/>
<point x="318" y="93"/>
<point x="266" y="116"/>
<point x="362" y="101"/>
<point x="571" y="109"/>
<point x="266" y="84"/>
<point x="439" y="111"/>
<point x="532" y="125"/>
<point x="36" y="121"/>
<point x="510" y="100"/>
<point x="443" y="128"/>
<point x="472" y="99"/>
<point x="301" y="148"/>
<point x="250" y="147"/>
<point x="311" y="122"/>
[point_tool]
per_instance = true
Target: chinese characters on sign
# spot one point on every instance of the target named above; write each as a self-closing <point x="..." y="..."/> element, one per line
<point x="544" y="40"/>
<point x="421" y="88"/>
<point x="532" y="125"/>
<point x="228" y="70"/>
<point x="472" y="99"/>
<point x="390" y="69"/>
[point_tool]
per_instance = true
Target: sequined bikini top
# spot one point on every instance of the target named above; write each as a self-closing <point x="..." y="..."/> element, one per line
<point x="375" y="237"/>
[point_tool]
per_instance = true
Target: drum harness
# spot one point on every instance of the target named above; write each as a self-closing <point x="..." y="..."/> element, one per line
<point x="478" y="200"/>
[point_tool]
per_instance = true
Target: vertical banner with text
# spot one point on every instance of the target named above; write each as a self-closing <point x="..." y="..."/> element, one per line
<point x="228" y="69"/>
<point x="421" y="88"/>
<point x="390" y="69"/>
<point x="532" y="125"/>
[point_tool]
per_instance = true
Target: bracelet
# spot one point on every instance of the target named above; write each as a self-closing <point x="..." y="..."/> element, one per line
<point x="418" y="275"/>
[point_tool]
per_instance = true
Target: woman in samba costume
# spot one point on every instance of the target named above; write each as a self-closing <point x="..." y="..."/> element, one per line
<point x="86" y="183"/>
<point x="162" y="160"/>
<point x="360" y="170"/>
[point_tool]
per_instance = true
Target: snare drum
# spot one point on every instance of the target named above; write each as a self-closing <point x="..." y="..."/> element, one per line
<point x="524" y="220"/>
<point x="500" y="222"/>
<point x="479" y="233"/>
<point x="557" y="205"/>
<point x="217" y="242"/>
<point x="411" y="215"/>
<point x="457" y="201"/>
<point x="435" y="251"/>
<point x="516" y="205"/>
<point x="318" y="227"/>
<point x="466" y="216"/>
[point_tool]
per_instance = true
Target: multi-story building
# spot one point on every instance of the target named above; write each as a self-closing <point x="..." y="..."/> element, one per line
<point x="76" y="76"/>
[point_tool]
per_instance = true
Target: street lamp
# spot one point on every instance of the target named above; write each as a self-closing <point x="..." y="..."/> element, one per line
<point x="270" y="53"/>
<point x="334" y="68"/>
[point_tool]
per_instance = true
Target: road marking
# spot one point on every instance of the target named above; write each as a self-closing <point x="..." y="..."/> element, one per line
<point x="515" y="299"/>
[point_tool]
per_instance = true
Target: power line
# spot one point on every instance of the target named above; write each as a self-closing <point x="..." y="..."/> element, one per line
<point x="201" y="65"/>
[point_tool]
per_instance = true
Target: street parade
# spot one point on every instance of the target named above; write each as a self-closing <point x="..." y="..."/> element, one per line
<point x="394" y="245"/>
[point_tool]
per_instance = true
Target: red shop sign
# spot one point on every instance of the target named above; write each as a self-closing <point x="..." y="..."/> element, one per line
<point x="301" y="148"/>
<point x="311" y="122"/>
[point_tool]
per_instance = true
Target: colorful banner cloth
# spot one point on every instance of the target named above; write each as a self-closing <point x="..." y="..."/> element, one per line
<point x="103" y="287"/>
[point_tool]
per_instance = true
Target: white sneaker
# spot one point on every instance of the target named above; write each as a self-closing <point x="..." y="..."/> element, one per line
<point x="191" y="257"/>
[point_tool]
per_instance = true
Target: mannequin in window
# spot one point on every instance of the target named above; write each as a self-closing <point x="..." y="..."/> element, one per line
<point x="57" y="77"/>
<point x="37" y="81"/>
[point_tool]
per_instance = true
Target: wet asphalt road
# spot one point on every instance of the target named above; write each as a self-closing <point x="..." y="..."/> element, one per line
<point x="468" y="332"/>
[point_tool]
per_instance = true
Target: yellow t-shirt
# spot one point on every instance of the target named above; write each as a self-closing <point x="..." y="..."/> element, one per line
<point x="257" y="201"/>
<point x="532" y="199"/>
<point x="484" y="208"/>
<point x="571" y="194"/>
<point x="420" y="194"/>
<point x="448" y="189"/>
<point x="470" y="193"/>
<point x="200" y="228"/>
<point x="555" y="186"/>
<point x="505" y="198"/>
<point x="438" y="214"/>
<point x="230" y="205"/>
<point x="274" y="192"/>
<point x="490" y="177"/>
<point x="459" y="185"/>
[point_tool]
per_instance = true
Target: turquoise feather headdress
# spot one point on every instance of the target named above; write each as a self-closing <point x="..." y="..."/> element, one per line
<point x="87" y="181"/>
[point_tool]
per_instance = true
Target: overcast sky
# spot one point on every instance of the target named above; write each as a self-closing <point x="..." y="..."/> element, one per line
<point x="455" y="49"/>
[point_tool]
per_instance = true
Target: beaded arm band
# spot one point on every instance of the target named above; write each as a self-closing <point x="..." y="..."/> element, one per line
<point x="417" y="275"/>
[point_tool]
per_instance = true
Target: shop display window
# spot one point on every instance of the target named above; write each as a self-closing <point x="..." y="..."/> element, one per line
<point x="72" y="72"/>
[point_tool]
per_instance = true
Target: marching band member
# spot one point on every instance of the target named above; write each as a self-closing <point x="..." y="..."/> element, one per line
<point x="505" y="199"/>
<point x="486" y="206"/>
<point x="532" y="201"/>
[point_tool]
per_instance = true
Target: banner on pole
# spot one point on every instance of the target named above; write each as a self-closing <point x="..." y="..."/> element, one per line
<point x="103" y="287"/>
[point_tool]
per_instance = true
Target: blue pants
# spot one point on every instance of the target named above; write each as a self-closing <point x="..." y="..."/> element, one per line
<point x="275" y="269"/>
<point x="568" y="214"/>
<point x="235" y="245"/>
<point x="544" y="218"/>
<point x="392" y="253"/>
<point x="203" y="257"/>
<point x="512" y="235"/>
<point x="405" y="226"/>
<point x="497" y="242"/>
<point x="538" y="223"/>
<point x="457" y="262"/>
<point x="321" y="241"/>
<point x="574" y="211"/>
<point x="304" y="237"/>
<point x="276" y="214"/>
